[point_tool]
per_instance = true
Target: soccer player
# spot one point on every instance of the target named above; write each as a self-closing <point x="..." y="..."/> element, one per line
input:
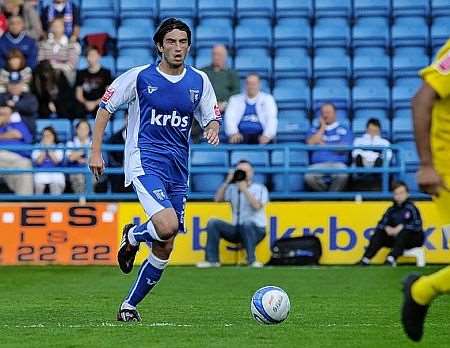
<point x="163" y="99"/>
<point x="431" y="113"/>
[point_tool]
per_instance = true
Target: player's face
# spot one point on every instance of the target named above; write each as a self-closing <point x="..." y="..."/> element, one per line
<point x="247" y="168"/>
<point x="175" y="48"/>
<point x="400" y="194"/>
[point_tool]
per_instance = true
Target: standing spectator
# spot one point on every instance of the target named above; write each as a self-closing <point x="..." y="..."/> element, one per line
<point x="59" y="51"/>
<point x="329" y="132"/>
<point x="15" y="133"/>
<point x="78" y="158"/>
<point x="251" y="117"/>
<point x="248" y="200"/>
<point x="24" y="103"/>
<point x="15" y="63"/>
<point x="48" y="158"/>
<point x="26" y="10"/>
<point x="66" y="10"/>
<point x="16" y="37"/>
<point x="53" y="92"/>
<point x="399" y="229"/>
<point x="91" y="83"/>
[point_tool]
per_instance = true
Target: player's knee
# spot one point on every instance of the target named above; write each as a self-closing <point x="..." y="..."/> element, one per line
<point x="212" y="224"/>
<point x="167" y="229"/>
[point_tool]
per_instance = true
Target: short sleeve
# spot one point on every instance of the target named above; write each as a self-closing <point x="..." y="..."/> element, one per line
<point x="121" y="91"/>
<point x="437" y="75"/>
<point x="264" y="195"/>
<point x="207" y="109"/>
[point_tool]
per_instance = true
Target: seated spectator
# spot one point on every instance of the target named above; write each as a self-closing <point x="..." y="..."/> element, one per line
<point x="225" y="82"/>
<point x="15" y="63"/>
<point x="66" y="10"/>
<point x="23" y="103"/>
<point x="48" y="158"/>
<point x="399" y="229"/>
<point x="329" y="132"/>
<point x="59" y="51"/>
<point x="53" y="92"/>
<point x="370" y="158"/>
<point x="248" y="201"/>
<point x="16" y="37"/>
<point x="15" y="133"/>
<point x="26" y="10"/>
<point x="78" y="158"/>
<point x="91" y="84"/>
<point x="251" y="117"/>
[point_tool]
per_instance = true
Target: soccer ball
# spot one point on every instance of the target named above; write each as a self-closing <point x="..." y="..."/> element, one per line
<point x="270" y="305"/>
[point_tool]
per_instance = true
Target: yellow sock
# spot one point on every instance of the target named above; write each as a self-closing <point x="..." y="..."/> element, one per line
<point x="426" y="288"/>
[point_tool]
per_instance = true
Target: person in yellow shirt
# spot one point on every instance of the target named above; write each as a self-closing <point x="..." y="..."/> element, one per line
<point x="431" y="115"/>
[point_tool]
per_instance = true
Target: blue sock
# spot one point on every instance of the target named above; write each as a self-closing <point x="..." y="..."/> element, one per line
<point x="148" y="276"/>
<point x="143" y="233"/>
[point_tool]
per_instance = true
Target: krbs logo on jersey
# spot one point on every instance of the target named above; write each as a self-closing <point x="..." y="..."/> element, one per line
<point x="174" y="119"/>
<point x="194" y="93"/>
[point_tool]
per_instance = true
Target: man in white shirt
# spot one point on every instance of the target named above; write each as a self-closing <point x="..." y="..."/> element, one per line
<point x="251" y="117"/>
<point x="248" y="200"/>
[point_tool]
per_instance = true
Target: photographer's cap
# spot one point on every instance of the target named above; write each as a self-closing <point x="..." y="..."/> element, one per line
<point x="15" y="77"/>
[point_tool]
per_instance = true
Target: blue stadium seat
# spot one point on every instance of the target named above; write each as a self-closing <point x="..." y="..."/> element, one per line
<point x="410" y="179"/>
<point x="138" y="9"/>
<point x="409" y="35"/>
<point x="413" y="82"/>
<point x="215" y="9"/>
<point x="124" y="63"/>
<point x="144" y="52"/>
<point x="402" y="130"/>
<point x="177" y="8"/>
<point x="107" y="62"/>
<point x="409" y="154"/>
<point x="336" y="68"/>
<point x="408" y="66"/>
<point x="301" y="53"/>
<point x="370" y="39"/>
<point x="440" y="8"/>
<point x="370" y="8"/>
<point x="63" y="127"/>
<point x="292" y="67"/>
<point x="359" y="126"/>
<point x="294" y="182"/>
<point x="375" y="97"/>
<point x="288" y="98"/>
<point x="291" y="82"/>
<point x="403" y="113"/>
<point x="208" y="36"/>
<point x="331" y="36"/>
<point x="292" y="114"/>
<point x="97" y="9"/>
<point x="401" y="96"/>
<point x="98" y="25"/>
<point x="371" y="70"/>
<point x="253" y="36"/>
<point x="134" y="36"/>
<point x="410" y="8"/>
<point x="258" y="63"/>
<point x="254" y="9"/>
<point x="339" y="96"/>
<point x="117" y="124"/>
<point x="257" y="158"/>
<point x="294" y="9"/>
<point x="333" y="8"/>
<point x="440" y="32"/>
<point x="286" y="35"/>
<point x="208" y="182"/>
<point x="292" y="129"/>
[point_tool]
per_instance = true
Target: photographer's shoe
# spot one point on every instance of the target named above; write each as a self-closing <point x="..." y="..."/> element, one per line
<point x="207" y="264"/>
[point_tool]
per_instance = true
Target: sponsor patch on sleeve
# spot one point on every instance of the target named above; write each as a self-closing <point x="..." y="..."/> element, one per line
<point x="108" y="94"/>
<point x="443" y="64"/>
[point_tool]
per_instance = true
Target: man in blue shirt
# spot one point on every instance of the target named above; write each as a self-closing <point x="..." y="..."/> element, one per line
<point x="15" y="133"/>
<point x="328" y="132"/>
<point x="163" y="99"/>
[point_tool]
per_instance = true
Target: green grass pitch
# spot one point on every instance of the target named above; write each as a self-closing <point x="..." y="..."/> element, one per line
<point x="330" y="307"/>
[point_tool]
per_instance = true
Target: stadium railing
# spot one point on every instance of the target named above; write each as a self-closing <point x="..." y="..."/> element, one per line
<point x="395" y="168"/>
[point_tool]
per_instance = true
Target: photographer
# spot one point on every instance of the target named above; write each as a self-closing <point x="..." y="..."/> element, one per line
<point x="247" y="200"/>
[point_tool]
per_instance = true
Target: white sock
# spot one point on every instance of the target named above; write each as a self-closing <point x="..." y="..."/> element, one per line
<point x="366" y="260"/>
<point x="157" y="262"/>
<point x="151" y="229"/>
<point x="126" y="305"/>
<point x="131" y="238"/>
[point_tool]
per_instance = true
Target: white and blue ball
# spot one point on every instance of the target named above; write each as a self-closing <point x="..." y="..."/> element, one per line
<point x="270" y="305"/>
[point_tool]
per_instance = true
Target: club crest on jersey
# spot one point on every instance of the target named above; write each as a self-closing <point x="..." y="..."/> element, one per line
<point x="159" y="194"/>
<point x="194" y="93"/>
<point x="151" y="89"/>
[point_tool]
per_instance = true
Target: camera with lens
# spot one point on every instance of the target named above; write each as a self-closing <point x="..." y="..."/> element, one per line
<point x="239" y="175"/>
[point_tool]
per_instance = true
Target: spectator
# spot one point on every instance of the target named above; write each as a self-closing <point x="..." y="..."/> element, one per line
<point x="15" y="133"/>
<point x="53" y="91"/>
<point x="26" y="10"/>
<point x="370" y="158"/>
<point x="16" y="37"/>
<point x="399" y="229"/>
<point x="247" y="200"/>
<point x="78" y="158"/>
<point x="251" y="117"/>
<point x="59" y="51"/>
<point x="15" y="63"/>
<point x="91" y="84"/>
<point x="48" y="158"/>
<point x="23" y="103"/>
<point x="66" y="10"/>
<point x="329" y="132"/>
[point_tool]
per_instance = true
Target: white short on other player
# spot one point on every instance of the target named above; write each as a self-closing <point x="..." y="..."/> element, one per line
<point x="270" y="305"/>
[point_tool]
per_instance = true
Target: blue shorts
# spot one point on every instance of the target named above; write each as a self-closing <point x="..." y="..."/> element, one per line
<point x="156" y="195"/>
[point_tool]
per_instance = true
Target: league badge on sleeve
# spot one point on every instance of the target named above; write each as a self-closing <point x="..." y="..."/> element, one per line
<point x="443" y="64"/>
<point x="108" y="94"/>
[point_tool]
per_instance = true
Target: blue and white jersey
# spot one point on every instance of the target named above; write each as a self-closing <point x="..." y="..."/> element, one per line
<point x="161" y="109"/>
